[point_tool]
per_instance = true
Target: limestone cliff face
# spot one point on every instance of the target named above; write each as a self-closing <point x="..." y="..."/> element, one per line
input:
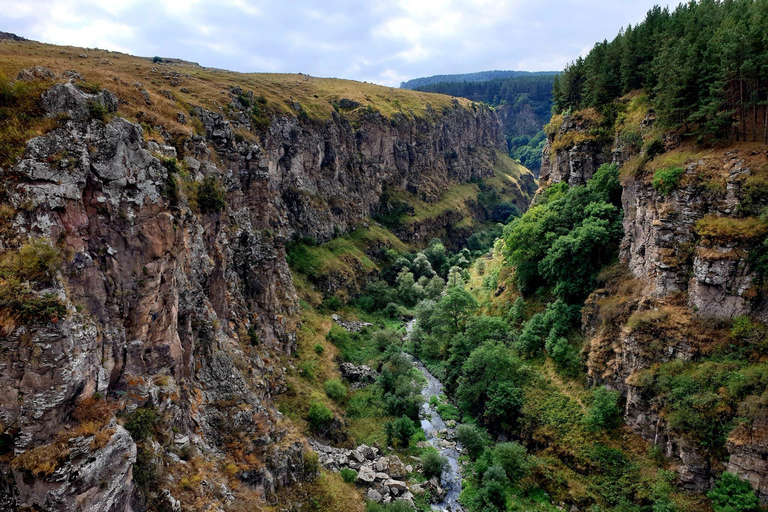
<point x="681" y="275"/>
<point x="572" y="153"/>
<point x="190" y="312"/>
<point x="662" y="247"/>
<point x="326" y="177"/>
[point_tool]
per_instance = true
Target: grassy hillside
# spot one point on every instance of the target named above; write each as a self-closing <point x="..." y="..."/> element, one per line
<point x="190" y="84"/>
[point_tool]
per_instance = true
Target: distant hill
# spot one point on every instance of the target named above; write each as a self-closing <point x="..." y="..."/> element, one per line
<point x="480" y="76"/>
<point x="523" y="102"/>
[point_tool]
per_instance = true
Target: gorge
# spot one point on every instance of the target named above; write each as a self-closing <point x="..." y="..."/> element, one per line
<point x="211" y="282"/>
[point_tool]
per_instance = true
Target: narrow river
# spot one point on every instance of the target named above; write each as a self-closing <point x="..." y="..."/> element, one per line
<point x="440" y="436"/>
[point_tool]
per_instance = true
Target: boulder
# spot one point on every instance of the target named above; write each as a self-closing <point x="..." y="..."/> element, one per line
<point x="77" y="105"/>
<point x="396" y="485"/>
<point x="374" y="495"/>
<point x="35" y="73"/>
<point x="356" y="455"/>
<point x="366" y="475"/>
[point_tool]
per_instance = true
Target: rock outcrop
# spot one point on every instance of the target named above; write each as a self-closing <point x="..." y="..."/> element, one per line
<point x="181" y="306"/>
<point x="684" y="269"/>
<point x="572" y="153"/>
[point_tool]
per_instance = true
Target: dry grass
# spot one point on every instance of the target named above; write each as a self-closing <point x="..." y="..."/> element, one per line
<point x="42" y="461"/>
<point x="91" y="415"/>
<point x="190" y="84"/>
<point x="730" y="229"/>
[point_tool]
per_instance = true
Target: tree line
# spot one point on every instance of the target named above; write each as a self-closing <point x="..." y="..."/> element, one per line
<point x="705" y="64"/>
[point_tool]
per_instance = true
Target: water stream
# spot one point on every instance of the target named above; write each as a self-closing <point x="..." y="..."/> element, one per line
<point x="441" y="437"/>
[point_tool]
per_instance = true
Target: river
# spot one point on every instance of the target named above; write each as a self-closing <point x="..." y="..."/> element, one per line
<point x="440" y="436"/>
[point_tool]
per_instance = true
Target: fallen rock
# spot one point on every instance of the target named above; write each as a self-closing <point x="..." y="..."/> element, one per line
<point x="397" y="485"/>
<point x="374" y="495"/>
<point x="366" y="475"/>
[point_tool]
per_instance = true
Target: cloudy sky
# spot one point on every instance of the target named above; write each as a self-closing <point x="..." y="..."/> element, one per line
<point x="381" y="41"/>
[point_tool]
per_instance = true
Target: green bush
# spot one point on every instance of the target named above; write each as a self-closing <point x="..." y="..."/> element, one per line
<point x="732" y="494"/>
<point x="141" y="423"/>
<point x="448" y="412"/>
<point x="332" y="303"/>
<point x="348" y="475"/>
<point x="319" y="416"/>
<point x="211" y="198"/>
<point x="433" y="464"/>
<point x="400" y="430"/>
<point x="319" y="349"/>
<point x="385" y="338"/>
<point x="473" y="438"/>
<point x="311" y="463"/>
<point x="604" y="412"/>
<point x="98" y="110"/>
<point x="666" y="180"/>
<point x="335" y="390"/>
<point x="145" y="469"/>
<point x="392" y="506"/>
<point x="513" y="458"/>
<point x="564" y="240"/>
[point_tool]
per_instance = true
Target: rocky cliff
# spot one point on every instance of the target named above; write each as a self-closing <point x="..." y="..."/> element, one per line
<point x="147" y="306"/>
<point x="687" y="270"/>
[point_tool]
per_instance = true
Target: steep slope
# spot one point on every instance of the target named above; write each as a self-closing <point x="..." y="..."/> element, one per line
<point x="146" y="296"/>
<point x="688" y="311"/>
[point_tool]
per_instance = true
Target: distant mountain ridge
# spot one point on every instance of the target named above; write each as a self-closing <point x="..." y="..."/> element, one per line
<point x="480" y="76"/>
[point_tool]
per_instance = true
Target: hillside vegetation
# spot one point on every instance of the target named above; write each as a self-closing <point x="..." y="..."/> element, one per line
<point x="154" y="90"/>
<point x="480" y="76"/>
<point x="703" y="65"/>
<point x="523" y="102"/>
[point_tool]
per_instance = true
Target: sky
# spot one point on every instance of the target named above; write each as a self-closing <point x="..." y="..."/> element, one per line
<point x="379" y="41"/>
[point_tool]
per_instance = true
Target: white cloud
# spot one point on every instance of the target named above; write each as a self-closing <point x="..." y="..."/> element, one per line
<point x="385" y="41"/>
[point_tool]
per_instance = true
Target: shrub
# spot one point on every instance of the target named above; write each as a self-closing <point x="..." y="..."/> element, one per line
<point x="210" y="196"/>
<point x="400" y="431"/>
<point x="311" y="463"/>
<point x="448" y="412"/>
<point x="307" y="370"/>
<point x="145" y="470"/>
<point x="141" y="423"/>
<point x="473" y="438"/>
<point x="335" y="390"/>
<point x="392" y="506"/>
<point x="319" y="349"/>
<point x="348" y="475"/>
<point x="513" y="458"/>
<point x="384" y="338"/>
<point x="332" y="303"/>
<point x="732" y="494"/>
<point x="319" y="416"/>
<point x="666" y="180"/>
<point x="433" y="464"/>
<point x="604" y="412"/>
<point x="253" y="336"/>
<point x="98" y="110"/>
